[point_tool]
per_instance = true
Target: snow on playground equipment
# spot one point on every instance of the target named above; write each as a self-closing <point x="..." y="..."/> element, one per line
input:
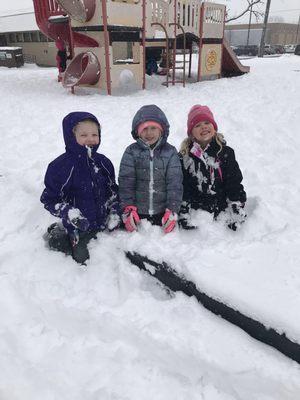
<point x="119" y="32"/>
<point x="84" y="69"/>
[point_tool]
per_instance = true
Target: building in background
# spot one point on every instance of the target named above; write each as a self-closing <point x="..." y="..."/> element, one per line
<point x="20" y="30"/>
<point x="277" y="33"/>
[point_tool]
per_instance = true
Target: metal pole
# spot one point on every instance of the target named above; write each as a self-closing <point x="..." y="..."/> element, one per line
<point x="174" y="43"/>
<point x="190" y="61"/>
<point x="106" y="47"/>
<point x="262" y="40"/>
<point x="249" y="25"/>
<point x="200" y="43"/>
<point x="144" y="43"/>
<point x="297" y="30"/>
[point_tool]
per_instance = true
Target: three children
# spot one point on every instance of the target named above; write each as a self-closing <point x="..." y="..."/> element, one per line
<point x="155" y="182"/>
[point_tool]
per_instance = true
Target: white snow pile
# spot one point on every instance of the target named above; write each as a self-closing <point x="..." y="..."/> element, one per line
<point x="110" y="332"/>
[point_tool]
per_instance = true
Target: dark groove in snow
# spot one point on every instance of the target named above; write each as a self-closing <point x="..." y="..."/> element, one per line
<point x="170" y="278"/>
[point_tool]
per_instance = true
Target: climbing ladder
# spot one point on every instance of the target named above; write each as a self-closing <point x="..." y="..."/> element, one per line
<point x="172" y="62"/>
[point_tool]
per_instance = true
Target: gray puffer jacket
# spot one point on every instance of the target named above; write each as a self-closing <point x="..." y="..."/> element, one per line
<point x="151" y="179"/>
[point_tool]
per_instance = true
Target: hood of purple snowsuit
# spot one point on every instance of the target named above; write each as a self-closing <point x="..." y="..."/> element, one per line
<point x="69" y="123"/>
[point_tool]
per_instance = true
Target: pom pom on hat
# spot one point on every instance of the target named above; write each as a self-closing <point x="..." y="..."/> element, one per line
<point x="198" y="114"/>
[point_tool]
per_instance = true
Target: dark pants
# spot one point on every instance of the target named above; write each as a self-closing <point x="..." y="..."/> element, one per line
<point x="62" y="60"/>
<point x="58" y="239"/>
<point x="154" y="219"/>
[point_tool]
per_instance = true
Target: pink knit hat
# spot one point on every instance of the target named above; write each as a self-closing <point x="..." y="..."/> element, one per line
<point x="145" y="124"/>
<point x="198" y="114"/>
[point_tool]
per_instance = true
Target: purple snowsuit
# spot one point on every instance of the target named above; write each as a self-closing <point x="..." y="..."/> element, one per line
<point x="75" y="180"/>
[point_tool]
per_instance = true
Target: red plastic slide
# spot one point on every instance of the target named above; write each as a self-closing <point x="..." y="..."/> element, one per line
<point x="231" y="65"/>
<point x="52" y="20"/>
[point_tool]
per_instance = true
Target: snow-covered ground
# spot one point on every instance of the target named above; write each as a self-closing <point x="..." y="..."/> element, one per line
<point x="108" y="331"/>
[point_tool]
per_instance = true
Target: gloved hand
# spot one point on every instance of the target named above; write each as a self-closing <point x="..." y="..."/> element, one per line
<point x="82" y="224"/>
<point x="185" y="223"/>
<point x="169" y="221"/>
<point x="78" y="220"/>
<point x="130" y="218"/>
<point x="237" y="215"/>
<point x="113" y="221"/>
<point x="184" y="217"/>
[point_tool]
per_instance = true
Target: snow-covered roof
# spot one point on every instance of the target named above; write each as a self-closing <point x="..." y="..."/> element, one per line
<point x="18" y="23"/>
<point x="10" y="48"/>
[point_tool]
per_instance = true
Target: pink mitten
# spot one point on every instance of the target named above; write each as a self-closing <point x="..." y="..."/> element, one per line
<point x="169" y="221"/>
<point x="130" y="218"/>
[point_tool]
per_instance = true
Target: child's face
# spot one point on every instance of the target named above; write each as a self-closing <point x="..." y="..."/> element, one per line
<point x="150" y="135"/>
<point x="203" y="132"/>
<point x="87" y="133"/>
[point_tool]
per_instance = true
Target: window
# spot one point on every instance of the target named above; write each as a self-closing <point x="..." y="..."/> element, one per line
<point x="27" y="37"/>
<point x="19" y="37"/>
<point x="34" y="36"/>
<point x="126" y="52"/>
<point x="12" y="38"/>
<point x="43" y="38"/>
<point x="2" y="40"/>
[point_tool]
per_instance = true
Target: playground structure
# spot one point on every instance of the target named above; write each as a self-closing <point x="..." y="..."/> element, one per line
<point x="109" y="41"/>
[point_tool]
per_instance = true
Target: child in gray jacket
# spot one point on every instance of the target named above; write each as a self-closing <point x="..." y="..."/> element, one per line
<point x="150" y="177"/>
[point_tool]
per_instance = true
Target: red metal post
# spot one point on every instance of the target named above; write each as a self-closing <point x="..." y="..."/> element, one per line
<point x="71" y="41"/>
<point x="190" y="61"/>
<point x="144" y="42"/>
<point x="200" y="41"/>
<point x="106" y="47"/>
<point x="174" y="44"/>
<point x="222" y="47"/>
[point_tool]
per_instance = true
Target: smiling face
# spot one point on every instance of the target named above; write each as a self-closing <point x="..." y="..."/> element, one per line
<point x="203" y="133"/>
<point x="87" y="133"/>
<point x="150" y="135"/>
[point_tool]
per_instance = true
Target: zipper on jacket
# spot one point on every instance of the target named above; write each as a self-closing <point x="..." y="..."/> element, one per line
<point x="151" y="183"/>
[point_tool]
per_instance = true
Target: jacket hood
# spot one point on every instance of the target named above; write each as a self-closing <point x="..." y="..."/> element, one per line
<point x="68" y="124"/>
<point x="150" y="113"/>
<point x="60" y="45"/>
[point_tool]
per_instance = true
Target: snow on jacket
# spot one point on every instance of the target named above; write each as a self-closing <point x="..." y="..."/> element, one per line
<point x="151" y="178"/>
<point x="78" y="180"/>
<point x="210" y="178"/>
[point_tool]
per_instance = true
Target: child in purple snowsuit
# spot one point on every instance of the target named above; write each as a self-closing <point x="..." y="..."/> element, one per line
<point x="80" y="188"/>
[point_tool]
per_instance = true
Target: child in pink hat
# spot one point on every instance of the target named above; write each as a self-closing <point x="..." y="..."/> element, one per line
<point x="212" y="179"/>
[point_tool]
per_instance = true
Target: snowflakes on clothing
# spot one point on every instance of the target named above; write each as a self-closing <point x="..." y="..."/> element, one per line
<point x="211" y="177"/>
<point x="210" y="163"/>
<point x="81" y="179"/>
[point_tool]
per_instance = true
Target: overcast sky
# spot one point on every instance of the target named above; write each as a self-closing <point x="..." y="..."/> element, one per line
<point x="288" y="9"/>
